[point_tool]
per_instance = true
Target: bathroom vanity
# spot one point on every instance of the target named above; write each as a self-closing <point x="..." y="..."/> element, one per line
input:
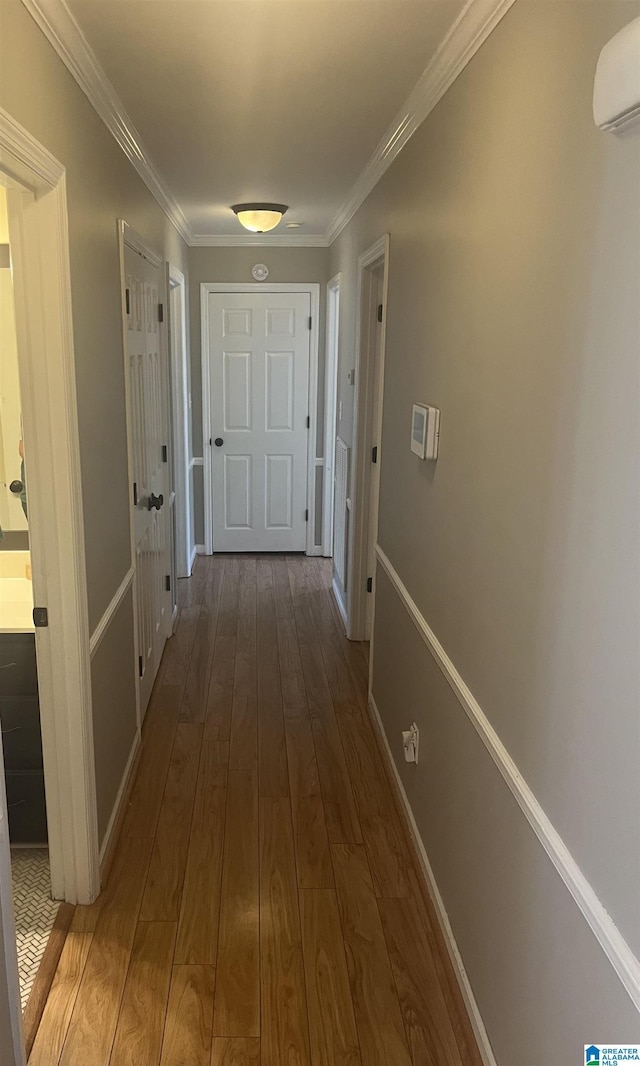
<point x="19" y="704"/>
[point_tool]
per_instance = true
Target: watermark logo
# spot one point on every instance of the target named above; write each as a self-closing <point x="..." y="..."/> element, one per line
<point x="610" y="1054"/>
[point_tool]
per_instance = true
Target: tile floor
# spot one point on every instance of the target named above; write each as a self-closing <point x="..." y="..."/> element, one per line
<point x="35" y="911"/>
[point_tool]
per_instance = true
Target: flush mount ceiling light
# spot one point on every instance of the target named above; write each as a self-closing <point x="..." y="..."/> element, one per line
<point x="259" y="218"/>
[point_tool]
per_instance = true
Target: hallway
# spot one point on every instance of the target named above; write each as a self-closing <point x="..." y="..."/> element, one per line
<point x="262" y="906"/>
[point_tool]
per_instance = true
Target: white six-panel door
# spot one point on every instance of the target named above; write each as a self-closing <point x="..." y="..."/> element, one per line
<point x="259" y="373"/>
<point x="149" y="429"/>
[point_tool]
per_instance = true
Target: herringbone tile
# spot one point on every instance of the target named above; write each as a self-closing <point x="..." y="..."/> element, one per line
<point x="35" y="911"/>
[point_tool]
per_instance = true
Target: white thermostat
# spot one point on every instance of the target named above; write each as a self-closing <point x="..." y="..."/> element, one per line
<point x="260" y="272"/>
<point x="425" y="431"/>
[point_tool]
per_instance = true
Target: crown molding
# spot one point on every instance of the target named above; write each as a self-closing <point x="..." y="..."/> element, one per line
<point x="62" y="31"/>
<point x="257" y="240"/>
<point x="474" y="24"/>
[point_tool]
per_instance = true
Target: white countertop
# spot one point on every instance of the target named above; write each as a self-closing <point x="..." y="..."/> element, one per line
<point x="16" y="605"/>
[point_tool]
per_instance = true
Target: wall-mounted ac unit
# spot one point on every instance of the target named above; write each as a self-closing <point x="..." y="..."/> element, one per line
<point x="616" y="91"/>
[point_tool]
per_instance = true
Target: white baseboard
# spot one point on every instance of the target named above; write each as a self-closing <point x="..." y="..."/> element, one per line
<point x="192" y="558"/>
<point x="615" y="947"/>
<point x="124" y="784"/>
<point x="201" y="549"/>
<point x="454" y="952"/>
<point x="337" y="592"/>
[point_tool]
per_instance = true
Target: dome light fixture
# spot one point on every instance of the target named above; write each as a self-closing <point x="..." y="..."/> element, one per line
<point x="259" y="218"/>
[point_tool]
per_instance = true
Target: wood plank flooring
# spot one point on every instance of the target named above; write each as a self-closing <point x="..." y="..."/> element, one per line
<point x="263" y="908"/>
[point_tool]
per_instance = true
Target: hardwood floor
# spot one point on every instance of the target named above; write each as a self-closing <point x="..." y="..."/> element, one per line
<point x="263" y="908"/>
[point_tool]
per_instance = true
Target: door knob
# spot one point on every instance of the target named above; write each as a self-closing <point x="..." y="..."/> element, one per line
<point x="155" y="501"/>
<point x="218" y="442"/>
<point x="16" y="487"/>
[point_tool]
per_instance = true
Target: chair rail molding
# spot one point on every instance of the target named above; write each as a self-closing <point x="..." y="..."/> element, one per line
<point x="111" y="611"/>
<point x="615" y="947"/>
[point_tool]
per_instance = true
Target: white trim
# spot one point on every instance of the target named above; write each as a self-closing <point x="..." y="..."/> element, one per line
<point x="337" y="592"/>
<point x="474" y="24"/>
<point x="313" y="290"/>
<point x="176" y="296"/>
<point x="466" y="990"/>
<point x="98" y="634"/>
<point x="259" y="240"/>
<point x="65" y="35"/>
<point x="196" y="460"/>
<point x="312" y="442"/>
<point x="192" y="558"/>
<point x="201" y="549"/>
<point x="367" y="425"/>
<point x="136" y="242"/>
<point x="40" y="249"/>
<point x="615" y="947"/>
<point x="332" y="341"/>
<point x="22" y="148"/>
<point x="104" y="847"/>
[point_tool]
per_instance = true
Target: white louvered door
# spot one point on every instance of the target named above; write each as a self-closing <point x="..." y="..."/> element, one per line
<point x="149" y="427"/>
<point x="259" y="373"/>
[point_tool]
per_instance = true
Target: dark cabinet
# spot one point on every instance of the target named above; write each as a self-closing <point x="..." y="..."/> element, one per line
<point x="21" y="739"/>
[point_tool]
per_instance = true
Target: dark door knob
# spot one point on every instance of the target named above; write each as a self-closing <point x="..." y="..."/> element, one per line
<point x="155" y="501"/>
<point x="218" y="442"/>
<point x="16" y="487"/>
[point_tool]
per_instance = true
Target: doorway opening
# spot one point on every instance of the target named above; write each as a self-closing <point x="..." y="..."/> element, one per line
<point x="34" y="907"/>
<point x="45" y="683"/>
<point x="373" y="273"/>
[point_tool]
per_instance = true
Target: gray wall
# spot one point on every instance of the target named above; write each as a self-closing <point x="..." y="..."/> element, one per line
<point x="296" y="265"/>
<point x="513" y="306"/>
<point x="37" y="90"/>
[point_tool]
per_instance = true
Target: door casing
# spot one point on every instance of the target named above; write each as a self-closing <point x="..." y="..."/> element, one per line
<point x="313" y="290"/>
<point x="330" y="404"/>
<point x="367" y="430"/>
<point x="181" y="429"/>
<point x="36" y="184"/>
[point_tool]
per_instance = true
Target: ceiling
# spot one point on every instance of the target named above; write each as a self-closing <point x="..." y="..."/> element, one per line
<point x="283" y="100"/>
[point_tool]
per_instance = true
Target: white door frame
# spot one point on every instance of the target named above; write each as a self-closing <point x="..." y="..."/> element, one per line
<point x="330" y="403"/>
<point x="176" y="287"/>
<point x="367" y="427"/>
<point x="313" y="289"/>
<point x="42" y="285"/>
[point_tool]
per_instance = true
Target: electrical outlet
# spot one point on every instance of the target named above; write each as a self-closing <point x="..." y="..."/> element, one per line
<point x="410" y="742"/>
